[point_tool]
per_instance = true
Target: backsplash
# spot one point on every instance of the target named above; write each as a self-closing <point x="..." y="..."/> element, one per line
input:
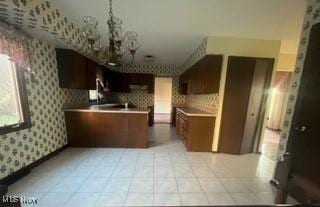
<point x="206" y="102"/>
<point x="46" y="99"/>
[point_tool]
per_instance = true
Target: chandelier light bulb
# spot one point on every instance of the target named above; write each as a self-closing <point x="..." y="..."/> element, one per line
<point x="119" y="42"/>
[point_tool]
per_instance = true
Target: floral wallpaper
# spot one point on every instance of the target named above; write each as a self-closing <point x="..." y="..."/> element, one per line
<point x="39" y="16"/>
<point x="199" y="53"/>
<point x="312" y="17"/>
<point x="46" y="100"/>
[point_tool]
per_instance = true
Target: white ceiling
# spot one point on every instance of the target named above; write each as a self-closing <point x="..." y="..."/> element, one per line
<point x="171" y="29"/>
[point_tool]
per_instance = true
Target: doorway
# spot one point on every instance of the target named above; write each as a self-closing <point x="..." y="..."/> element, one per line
<point x="275" y="115"/>
<point x="162" y="100"/>
<point x="247" y="80"/>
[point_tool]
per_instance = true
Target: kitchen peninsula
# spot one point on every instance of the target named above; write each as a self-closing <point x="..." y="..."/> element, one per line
<point x="100" y="126"/>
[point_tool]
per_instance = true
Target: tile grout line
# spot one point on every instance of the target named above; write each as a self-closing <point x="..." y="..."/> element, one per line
<point x="205" y="195"/>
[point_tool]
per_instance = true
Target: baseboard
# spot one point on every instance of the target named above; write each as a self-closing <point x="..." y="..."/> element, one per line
<point x="14" y="177"/>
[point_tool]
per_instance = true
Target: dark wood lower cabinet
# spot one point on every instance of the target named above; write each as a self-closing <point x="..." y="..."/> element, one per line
<point x="96" y="129"/>
<point x="196" y="132"/>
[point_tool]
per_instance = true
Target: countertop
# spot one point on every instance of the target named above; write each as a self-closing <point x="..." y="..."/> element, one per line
<point x="103" y="109"/>
<point x="194" y="112"/>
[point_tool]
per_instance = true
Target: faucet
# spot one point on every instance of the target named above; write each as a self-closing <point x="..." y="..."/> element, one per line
<point x="126" y="104"/>
<point x="98" y="84"/>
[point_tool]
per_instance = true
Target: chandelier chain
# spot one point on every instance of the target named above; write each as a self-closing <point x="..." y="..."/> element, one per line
<point x="110" y="10"/>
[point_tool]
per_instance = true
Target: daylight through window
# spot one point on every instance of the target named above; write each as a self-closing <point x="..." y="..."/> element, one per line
<point x="10" y="103"/>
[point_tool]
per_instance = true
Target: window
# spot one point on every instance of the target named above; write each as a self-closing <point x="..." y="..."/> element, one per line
<point x="14" y="110"/>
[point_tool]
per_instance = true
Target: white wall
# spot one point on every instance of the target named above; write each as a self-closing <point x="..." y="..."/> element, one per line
<point x="231" y="46"/>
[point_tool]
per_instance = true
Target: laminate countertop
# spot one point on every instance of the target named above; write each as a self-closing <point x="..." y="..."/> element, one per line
<point x="194" y="112"/>
<point x="103" y="109"/>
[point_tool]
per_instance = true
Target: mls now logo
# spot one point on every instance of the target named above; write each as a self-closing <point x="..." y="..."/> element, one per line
<point x="19" y="199"/>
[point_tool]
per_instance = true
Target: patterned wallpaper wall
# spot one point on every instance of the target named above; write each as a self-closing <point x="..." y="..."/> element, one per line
<point x="39" y="16"/>
<point x="312" y="17"/>
<point x="198" y="53"/>
<point x="46" y="101"/>
<point x="207" y="102"/>
<point x="142" y="99"/>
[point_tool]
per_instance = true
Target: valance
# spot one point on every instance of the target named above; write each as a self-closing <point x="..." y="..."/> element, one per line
<point x="15" y="44"/>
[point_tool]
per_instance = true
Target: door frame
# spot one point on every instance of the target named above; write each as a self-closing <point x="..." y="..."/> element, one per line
<point x="263" y="110"/>
<point x="171" y="101"/>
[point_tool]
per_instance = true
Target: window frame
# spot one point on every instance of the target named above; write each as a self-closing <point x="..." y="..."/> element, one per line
<point x="21" y="86"/>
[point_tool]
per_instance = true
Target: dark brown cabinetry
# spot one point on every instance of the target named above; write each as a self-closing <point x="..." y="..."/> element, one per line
<point x="245" y="95"/>
<point x="75" y="71"/>
<point x="196" y="131"/>
<point x="121" y="82"/>
<point x="203" y="77"/>
<point x="118" y="82"/>
<point x="78" y="72"/>
<point x="99" y="129"/>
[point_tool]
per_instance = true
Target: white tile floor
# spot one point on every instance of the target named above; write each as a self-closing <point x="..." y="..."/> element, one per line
<point x="162" y="175"/>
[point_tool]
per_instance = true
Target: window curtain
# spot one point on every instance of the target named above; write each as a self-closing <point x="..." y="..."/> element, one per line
<point x="279" y="99"/>
<point x="15" y="44"/>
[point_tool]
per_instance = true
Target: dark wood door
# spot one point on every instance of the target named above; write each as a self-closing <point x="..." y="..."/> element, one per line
<point x="236" y="99"/>
<point x="304" y="140"/>
<point x="246" y="83"/>
<point x="258" y="95"/>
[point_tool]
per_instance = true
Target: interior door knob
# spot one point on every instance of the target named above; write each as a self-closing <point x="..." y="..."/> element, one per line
<point x="301" y="129"/>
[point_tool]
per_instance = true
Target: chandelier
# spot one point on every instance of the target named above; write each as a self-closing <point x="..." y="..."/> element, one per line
<point x="119" y="42"/>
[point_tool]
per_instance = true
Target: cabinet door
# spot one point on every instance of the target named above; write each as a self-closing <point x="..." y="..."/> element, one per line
<point x="72" y="69"/>
<point x="64" y="68"/>
<point x="79" y="71"/>
<point x="91" y="74"/>
<point x="211" y="71"/>
<point x="118" y="82"/>
<point x="178" y="123"/>
<point x="192" y="80"/>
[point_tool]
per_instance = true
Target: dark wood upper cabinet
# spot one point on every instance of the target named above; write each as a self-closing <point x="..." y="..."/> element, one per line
<point x="144" y="79"/>
<point x="78" y="72"/>
<point x="75" y="70"/>
<point x="203" y="77"/>
<point x="92" y="71"/>
<point x="120" y="82"/>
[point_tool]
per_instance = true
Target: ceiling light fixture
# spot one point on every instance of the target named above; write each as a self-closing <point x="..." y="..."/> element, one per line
<point x="119" y="41"/>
